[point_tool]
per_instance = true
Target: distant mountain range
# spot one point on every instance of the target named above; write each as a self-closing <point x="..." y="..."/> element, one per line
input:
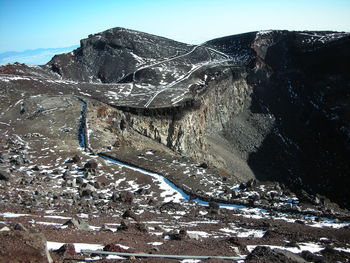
<point x="38" y="56"/>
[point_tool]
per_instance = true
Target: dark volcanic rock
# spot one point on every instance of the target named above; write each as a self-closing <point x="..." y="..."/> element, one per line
<point x="332" y="255"/>
<point x="130" y="214"/>
<point x="180" y="235"/>
<point x="112" y="247"/>
<point x="214" y="207"/>
<point x="66" y="250"/>
<point x="19" y="227"/>
<point x="126" y="197"/>
<point x="91" y="166"/>
<point x="4" y="175"/>
<point x="113" y="54"/>
<point x="268" y="255"/>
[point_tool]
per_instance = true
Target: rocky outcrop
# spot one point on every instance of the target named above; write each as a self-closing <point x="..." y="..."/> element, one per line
<point x="111" y="55"/>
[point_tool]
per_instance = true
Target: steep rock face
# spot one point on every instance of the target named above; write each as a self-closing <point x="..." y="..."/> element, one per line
<point x="308" y="94"/>
<point x="111" y="55"/>
<point x="197" y="131"/>
<point x="282" y="115"/>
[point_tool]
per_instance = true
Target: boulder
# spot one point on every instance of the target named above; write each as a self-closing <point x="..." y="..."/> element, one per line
<point x="91" y="166"/>
<point x="141" y="227"/>
<point x="113" y="247"/>
<point x="78" y="224"/>
<point x="66" y="250"/>
<point x="23" y="246"/>
<point x="126" y="197"/>
<point x="178" y="235"/>
<point x="214" y="207"/>
<point x="130" y="214"/>
<point x="79" y="180"/>
<point x="76" y="159"/>
<point x="268" y="255"/>
<point x="251" y="183"/>
<point x="19" y="227"/>
<point x="124" y="225"/>
<point x="242" y="186"/>
<point x="203" y="165"/>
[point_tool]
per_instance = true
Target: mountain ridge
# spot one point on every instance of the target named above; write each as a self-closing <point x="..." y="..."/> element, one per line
<point x="215" y="102"/>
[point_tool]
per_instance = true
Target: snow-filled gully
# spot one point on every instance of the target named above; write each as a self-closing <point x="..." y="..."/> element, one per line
<point x="82" y="137"/>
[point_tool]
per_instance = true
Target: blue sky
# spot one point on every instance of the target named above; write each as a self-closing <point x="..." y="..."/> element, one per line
<point x="30" y="24"/>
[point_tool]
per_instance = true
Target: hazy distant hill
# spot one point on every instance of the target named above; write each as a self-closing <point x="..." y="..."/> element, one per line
<point x="38" y="56"/>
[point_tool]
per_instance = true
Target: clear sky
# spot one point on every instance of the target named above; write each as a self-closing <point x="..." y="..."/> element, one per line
<point x="30" y="24"/>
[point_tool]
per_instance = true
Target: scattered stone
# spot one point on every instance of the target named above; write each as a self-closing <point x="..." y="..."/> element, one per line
<point x="66" y="250"/>
<point x="181" y="235"/>
<point x="56" y="171"/>
<point x="97" y="185"/>
<point x="79" y="180"/>
<point x="91" y="166"/>
<point x="70" y="183"/>
<point x="85" y="193"/>
<point x="266" y="254"/>
<point x="142" y="227"/>
<point x="251" y="183"/>
<point x="105" y="228"/>
<point x="277" y="187"/>
<point x="242" y="186"/>
<point x="36" y="168"/>
<point x="124" y="225"/>
<point x="130" y="214"/>
<point x="66" y="175"/>
<point x="5" y="176"/>
<point x="87" y="186"/>
<point x="112" y="247"/>
<point x="159" y="228"/>
<point x="214" y="207"/>
<point x="19" y="227"/>
<point x="87" y="175"/>
<point x="78" y="224"/>
<point x="235" y="194"/>
<point x="126" y="197"/>
<point x="194" y="236"/>
<point x="203" y="165"/>
<point x="102" y="196"/>
<point x="76" y="159"/>
<point x="115" y="197"/>
<point x="142" y="191"/>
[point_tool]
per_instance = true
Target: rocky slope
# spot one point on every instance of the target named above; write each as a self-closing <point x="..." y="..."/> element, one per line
<point x="268" y="105"/>
<point x="200" y="119"/>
